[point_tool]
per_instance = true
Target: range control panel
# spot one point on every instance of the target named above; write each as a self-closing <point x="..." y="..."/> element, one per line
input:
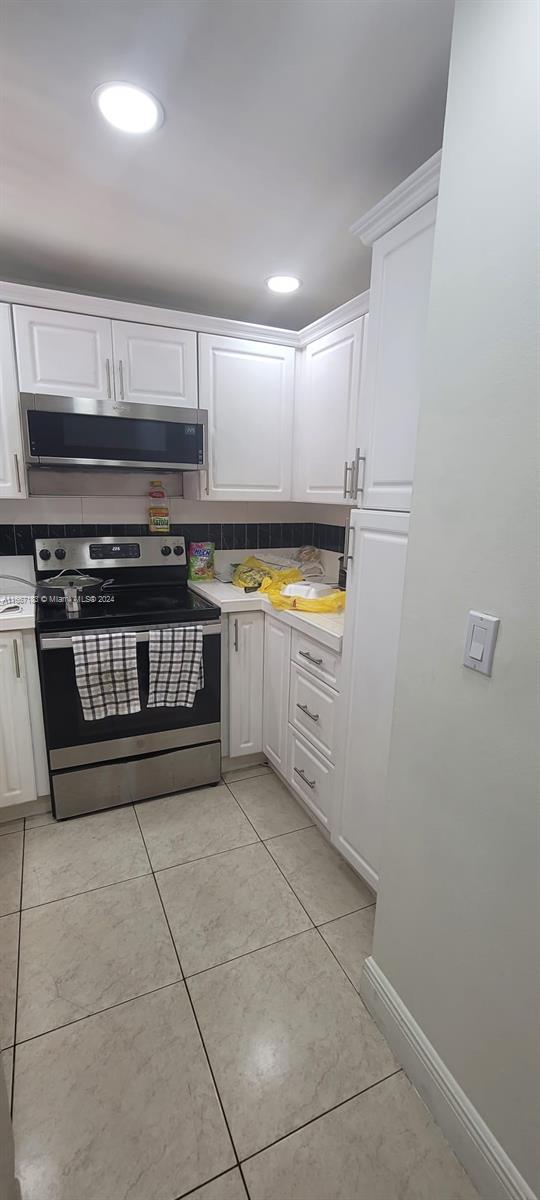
<point x="108" y="551"/>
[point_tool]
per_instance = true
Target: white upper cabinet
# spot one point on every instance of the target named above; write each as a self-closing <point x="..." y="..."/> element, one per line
<point x="248" y="389"/>
<point x="63" y="354"/>
<point x="12" y="477"/>
<point x="154" y="365"/>
<point x="399" y="295"/>
<point x="326" y="432"/>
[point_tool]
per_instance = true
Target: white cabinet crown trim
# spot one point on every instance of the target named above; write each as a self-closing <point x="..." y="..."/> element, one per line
<point x="412" y="193"/>
<point x="148" y="314"/>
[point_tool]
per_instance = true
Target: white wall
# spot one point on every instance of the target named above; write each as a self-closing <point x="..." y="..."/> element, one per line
<point x="457" y="916"/>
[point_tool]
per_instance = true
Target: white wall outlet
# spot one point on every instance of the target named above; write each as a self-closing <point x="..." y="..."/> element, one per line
<point x="480" y="638"/>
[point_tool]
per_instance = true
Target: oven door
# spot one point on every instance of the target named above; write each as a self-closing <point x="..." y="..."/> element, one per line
<point x="65" y="431"/>
<point x="73" y="742"/>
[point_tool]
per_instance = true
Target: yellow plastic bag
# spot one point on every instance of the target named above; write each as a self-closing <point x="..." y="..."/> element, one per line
<point x="253" y="573"/>
<point x="332" y="602"/>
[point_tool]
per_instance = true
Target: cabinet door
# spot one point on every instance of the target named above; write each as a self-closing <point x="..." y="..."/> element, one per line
<point x="277" y="663"/>
<point x="248" y="389"/>
<point x="399" y="296"/>
<point x="63" y="354"/>
<point x="326" y="415"/>
<point x="246" y="638"/>
<point x="12" y="476"/>
<point x="155" y="365"/>
<point x="17" y="780"/>
<point x="370" y="649"/>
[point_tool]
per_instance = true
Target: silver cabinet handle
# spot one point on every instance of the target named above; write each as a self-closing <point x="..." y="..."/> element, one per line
<point x="17" y="472"/>
<point x="348" y="556"/>
<point x="16" y="657"/>
<point x="346" y="491"/>
<point x="355" y="476"/>
<point x="121" y="378"/>
<point x="236" y="634"/>
<point x="108" y="374"/>
<point x="305" y="709"/>
<point x="317" y="662"/>
<point x="310" y="782"/>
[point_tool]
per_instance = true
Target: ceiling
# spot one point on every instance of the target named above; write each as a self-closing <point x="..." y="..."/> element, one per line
<point x="285" y="121"/>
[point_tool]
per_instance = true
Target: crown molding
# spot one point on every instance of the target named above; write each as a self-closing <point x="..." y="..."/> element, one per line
<point x="415" y="191"/>
<point x="357" y="307"/>
<point x="146" y="314"/>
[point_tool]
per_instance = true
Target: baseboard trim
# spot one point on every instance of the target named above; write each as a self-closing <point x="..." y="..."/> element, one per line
<point x="490" y="1168"/>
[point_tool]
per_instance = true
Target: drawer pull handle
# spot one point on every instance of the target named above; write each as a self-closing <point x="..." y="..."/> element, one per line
<point x="310" y="782"/>
<point x="317" y="662"/>
<point x="305" y="709"/>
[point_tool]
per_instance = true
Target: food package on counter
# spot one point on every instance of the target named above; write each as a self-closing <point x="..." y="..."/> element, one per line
<point x="331" y="602"/>
<point x="252" y="573"/>
<point x="201" y="560"/>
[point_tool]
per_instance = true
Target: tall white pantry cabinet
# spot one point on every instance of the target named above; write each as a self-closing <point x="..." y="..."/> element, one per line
<point x="402" y="238"/>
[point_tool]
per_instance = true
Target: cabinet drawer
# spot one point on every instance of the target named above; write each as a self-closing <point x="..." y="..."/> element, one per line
<point x="312" y="709"/>
<point x="310" y="776"/>
<point x="316" y="659"/>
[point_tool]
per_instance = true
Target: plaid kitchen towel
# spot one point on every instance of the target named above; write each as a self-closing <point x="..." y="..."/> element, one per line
<point x="106" y="674"/>
<point x="176" y="666"/>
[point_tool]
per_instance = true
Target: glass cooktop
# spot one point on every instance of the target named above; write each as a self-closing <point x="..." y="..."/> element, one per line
<point x="127" y="605"/>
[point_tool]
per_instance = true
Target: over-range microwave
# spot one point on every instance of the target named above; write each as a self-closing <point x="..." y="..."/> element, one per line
<point x="79" y="432"/>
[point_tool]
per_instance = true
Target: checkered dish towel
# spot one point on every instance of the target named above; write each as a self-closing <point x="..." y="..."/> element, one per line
<point x="176" y="666"/>
<point x="106" y="674"/>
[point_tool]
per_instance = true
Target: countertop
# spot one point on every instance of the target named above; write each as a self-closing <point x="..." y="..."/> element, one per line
<point x="327" y="628"/>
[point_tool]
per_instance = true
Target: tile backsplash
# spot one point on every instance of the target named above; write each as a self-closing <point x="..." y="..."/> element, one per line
<point x="18" y="538"/>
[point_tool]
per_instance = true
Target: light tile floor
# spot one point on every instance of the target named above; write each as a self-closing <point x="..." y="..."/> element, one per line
<point x="179" y="1011"/>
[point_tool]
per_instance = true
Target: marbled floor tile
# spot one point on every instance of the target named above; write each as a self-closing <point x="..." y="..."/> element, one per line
<point x="38" y="819"/>
<point x="229" y="904"/>
<point x="7" y="1067"/>
<point x="10" y="872"/>
<point x="351" y="939"/>
<point x="287" y="1038"/>
<point x="383" y="1145"/>
<point x="322" y="880"/>
<point x="245" y="773"/>
<point x="120" y="1105"/>
<point x="269" y="806"/>
<point x="227" y="1187"/>
<point x="90" y="951"/>
<point x="9" y="943"/>
<point x="75" y="856"/>
<point x="191" y="825"/>
<point x="16" y="826"/>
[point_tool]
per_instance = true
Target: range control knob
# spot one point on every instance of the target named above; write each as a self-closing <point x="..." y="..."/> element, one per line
<point x="178" y="550"/>
<point x="60" y="553"/>
<point x="166" y="550"/>
<point x="45" y="555"/>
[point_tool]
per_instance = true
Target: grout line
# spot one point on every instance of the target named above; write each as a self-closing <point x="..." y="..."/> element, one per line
<point x="200" y="1186"/>
<point x="216" y="853"/>
<point x="17" y="974"/>
<point x="347" y="914"/>
<point x="326" y="1112"/>
<point x="246" y="953"/>
<point x="203" y="1044"/>
<point x="247" y="778"/>
<point x="86" y="892"/>
<point x="99" y="1011"/>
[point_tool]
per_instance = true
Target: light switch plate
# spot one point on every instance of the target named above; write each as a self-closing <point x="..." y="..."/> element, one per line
<point x="480" y="637"/>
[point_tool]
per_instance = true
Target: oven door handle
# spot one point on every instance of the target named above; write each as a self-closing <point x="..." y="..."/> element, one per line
<point x="141" y="635"/>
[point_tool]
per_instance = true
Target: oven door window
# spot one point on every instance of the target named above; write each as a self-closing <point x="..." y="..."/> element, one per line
<point x="80" y="437"/>
<point x="65" y="725"/>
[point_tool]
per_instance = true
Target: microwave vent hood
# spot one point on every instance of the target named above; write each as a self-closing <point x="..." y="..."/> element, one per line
<point x="73" y="431"/>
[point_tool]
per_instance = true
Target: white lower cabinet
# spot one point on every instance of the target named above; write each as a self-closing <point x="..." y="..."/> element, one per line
<point x="312" y="710"/>
<point x="246" y="649"/>
<point x="17" y="775"/>
<point x="375" y="579"/>
<point x="311" y="777"/>
<point x="277" y="666"/>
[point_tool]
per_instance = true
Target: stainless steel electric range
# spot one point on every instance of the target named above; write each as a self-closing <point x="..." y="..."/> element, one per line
<point x="116" y="760"/>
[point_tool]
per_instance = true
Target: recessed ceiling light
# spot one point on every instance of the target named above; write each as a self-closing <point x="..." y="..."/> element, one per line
<point x="128" y="108"/>
<point x="283" y="283"/>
